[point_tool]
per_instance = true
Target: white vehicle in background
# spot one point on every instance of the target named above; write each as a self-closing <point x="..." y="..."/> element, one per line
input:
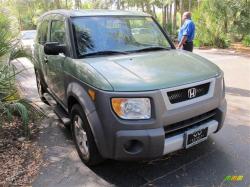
<point x="27" y="40"/>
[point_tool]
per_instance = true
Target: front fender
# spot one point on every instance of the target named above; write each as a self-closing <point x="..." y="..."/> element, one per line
<point x="80" y="94"/>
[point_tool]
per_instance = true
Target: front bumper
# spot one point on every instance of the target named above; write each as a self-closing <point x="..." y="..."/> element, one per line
<point x="147" y="139"/>
<point x="177" y="142"/>
<point x="154" y="143"/>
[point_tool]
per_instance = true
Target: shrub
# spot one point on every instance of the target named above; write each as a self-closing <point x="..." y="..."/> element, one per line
<point x="10" y="103"/>
<point x="246" y="41"/>
<point x="209" y="20"/>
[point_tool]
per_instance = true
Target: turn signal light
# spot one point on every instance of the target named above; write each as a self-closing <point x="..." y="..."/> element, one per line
<point x="91" y="94"/>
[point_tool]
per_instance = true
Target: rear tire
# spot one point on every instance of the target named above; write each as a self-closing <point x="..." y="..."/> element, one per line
<point x="83" y="137"/>
<point x="40" y="88"/>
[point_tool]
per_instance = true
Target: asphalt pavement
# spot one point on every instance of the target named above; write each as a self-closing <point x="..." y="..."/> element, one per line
<point x="226" y="153"/>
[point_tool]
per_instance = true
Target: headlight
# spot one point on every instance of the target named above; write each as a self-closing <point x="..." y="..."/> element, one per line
<point x="132" y="108"/>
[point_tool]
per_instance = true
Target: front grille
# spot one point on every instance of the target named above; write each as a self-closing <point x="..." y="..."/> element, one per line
<point x="182" y="126"/>
<point x="177" y="96"/>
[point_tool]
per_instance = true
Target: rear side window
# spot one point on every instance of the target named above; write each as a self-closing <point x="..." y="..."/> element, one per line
<point x="43" y="33"/>
<point x="57" y="32"/>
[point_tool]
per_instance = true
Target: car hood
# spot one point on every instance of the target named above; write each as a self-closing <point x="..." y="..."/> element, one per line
<point x="153" y="70"/>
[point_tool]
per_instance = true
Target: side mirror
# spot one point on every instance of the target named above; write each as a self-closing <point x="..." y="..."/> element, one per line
<point x="54" y="48"/>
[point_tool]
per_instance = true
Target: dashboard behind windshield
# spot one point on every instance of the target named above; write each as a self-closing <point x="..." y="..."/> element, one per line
<point x="116" y="33"/>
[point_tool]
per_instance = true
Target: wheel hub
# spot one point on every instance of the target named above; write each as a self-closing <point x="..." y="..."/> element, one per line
<point x="81" y="136"/>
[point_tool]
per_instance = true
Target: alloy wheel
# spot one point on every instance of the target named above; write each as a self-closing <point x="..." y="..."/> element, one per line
<point x="81" y="136"/>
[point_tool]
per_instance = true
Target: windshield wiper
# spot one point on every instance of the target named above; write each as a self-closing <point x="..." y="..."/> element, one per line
<point x="151" y="49"/>
<point x="103" y="53"/>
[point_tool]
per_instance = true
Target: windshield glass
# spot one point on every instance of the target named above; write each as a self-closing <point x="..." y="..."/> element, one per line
<point x="114" y="33"/>
<point x="26" y="35"/>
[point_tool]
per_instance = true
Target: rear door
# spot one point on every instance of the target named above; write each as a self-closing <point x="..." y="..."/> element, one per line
<point x="41" y="39"/>
<point x="55" y="63"/>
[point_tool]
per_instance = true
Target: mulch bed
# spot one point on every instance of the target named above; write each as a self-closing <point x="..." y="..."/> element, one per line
<point x="240" y="48"/>
<point x="20" y="158"/>
<point x="235" y="47"/>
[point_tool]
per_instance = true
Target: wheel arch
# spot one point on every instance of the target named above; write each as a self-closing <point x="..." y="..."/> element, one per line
<point x="38" y="72"/>
<point x="76" y="94"/>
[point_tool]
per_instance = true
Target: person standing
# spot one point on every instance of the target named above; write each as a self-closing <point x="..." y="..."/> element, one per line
<point x="186" y="33"/>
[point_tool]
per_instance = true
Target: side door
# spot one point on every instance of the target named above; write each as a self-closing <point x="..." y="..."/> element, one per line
<point x="55" y="63"/>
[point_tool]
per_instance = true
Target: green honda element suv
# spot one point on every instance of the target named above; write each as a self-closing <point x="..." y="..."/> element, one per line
<point x="122" y="87"/>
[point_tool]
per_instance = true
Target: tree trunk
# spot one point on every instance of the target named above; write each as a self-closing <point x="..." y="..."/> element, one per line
<point x="154" y="12"/>
<point x="181" y="10"/>
<point x="170" y="15"/>
<point x="57" y="3"/>
<point x="142" y="6"/>
<point x="20" y="21"/>
<point x="148" y="7"/>
<point x="164" y="16"/>
<point x="174" y="16"/>
<point x="45" y="5"/>
<point x="77" y="4"/>
<point x="189" y="5"/>
<point x="118" y="4"/>
<point x="123" y="5"/>
<point x="198" y="4"/>
<point x="225" y="25"/>
<point x="167" y="13"/>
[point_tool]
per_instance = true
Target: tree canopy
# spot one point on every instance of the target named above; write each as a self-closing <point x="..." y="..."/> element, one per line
<point x="218" y="22"/>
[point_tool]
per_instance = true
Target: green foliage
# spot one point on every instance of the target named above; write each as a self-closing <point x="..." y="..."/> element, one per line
<point x="10" y="103"/>
<point x="169" y="27"/>
<point x="210" y="20"/>
<point x="219" y="22"/>
<point x="246" y="41"/>
<point x="5" y="36"/>
<point x="239" y="12"/>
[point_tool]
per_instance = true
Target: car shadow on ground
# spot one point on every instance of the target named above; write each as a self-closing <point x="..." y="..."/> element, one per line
<point x="146" y="172"/>
<point x="206" y="164"/>
<point x="149" y="172"/>
<point x="237" y="92"/>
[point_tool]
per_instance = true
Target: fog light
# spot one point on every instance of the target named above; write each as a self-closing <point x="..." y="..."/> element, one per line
<point x="133" y="146"/>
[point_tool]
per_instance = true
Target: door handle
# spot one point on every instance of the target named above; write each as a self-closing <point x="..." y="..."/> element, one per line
<point x="45" y="59"/>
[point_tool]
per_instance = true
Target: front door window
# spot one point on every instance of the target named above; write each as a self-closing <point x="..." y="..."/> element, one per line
<point x="57" y="33"/>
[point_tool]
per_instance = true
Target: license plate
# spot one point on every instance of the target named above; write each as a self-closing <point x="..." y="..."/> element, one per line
<point x="195" y="136"/>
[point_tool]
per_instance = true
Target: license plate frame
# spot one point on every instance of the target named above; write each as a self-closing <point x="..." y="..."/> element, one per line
<point x="195" y="136"/>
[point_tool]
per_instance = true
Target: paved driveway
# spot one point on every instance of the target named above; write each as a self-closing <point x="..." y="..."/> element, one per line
<point x="207" y="164"/>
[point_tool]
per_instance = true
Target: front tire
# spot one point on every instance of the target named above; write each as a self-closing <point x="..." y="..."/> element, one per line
<point x="83" y="137"/>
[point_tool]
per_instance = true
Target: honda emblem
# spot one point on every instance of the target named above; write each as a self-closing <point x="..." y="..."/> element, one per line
<point x="191" y="93"/>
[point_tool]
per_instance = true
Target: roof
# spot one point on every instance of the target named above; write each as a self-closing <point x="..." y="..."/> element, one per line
<point x="95" y="12"/>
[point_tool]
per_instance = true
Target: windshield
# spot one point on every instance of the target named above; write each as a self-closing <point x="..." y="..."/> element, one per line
<point x="118" y="34"/>
<point x="26" y="35"/>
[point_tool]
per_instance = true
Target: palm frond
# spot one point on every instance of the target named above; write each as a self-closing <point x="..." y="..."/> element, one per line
<point x="10" y="103"/>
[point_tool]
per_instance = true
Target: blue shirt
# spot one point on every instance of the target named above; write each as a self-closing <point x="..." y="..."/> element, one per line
<point x="187" y="29"/>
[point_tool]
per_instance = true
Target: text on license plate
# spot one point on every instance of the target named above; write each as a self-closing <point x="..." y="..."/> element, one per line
<point x="194" y="136"/>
